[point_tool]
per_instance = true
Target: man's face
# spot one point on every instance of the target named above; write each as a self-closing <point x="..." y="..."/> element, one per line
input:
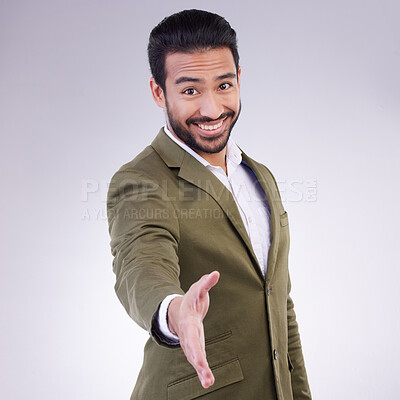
<point x="202" y="98"/>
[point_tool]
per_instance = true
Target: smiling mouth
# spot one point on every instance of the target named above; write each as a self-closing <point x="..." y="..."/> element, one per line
<point x="211" y="127"/>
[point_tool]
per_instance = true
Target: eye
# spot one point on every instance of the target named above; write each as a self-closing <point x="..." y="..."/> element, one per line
<point x="224" y="86"/>
<point x="190" y="91"/>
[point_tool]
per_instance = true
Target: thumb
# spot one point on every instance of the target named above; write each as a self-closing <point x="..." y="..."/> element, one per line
<point x="209" y="281"/>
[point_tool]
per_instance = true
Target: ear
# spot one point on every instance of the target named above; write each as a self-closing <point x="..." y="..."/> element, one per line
<point x="158" y="93"/>
<point x="238" y="75"/>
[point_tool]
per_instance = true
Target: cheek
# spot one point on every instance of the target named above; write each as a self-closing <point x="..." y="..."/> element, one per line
<point x="186" y="110"/>
<point x="182" y="109"/>
<point x="176" y="108"/>
<point x="233" y="103"/>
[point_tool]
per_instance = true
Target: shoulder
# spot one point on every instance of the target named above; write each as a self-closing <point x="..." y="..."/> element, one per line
<point x="146" y="162"/>
<point x="142" y="173"/>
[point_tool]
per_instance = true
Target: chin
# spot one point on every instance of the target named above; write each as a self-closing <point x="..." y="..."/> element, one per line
<point x="213" y="145"/>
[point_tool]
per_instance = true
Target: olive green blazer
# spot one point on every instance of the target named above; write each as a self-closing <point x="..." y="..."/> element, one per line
<point x="172" y="221"/>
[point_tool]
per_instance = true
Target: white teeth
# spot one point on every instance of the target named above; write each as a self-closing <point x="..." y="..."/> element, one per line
<point x="210" y="127"/>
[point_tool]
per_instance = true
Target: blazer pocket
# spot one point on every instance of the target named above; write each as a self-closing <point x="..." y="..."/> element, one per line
<point x="218" y="338"/>
<point x="284" y="219"/>
<point x="190" y="388"/>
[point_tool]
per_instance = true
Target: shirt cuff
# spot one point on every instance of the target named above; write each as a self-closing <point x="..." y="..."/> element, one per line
<point x="162" y="319"/>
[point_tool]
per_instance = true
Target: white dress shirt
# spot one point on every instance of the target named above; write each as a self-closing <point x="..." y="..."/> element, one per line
<point x="252" y="204"/>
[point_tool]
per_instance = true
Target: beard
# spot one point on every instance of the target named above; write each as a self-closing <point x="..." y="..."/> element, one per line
<point x="209" y="145"/>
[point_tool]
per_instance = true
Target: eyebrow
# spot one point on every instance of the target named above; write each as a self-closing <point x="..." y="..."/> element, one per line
<point x="183" y="79"/>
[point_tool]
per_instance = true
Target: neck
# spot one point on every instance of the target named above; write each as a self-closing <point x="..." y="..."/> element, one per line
<point x="215" y="159"/>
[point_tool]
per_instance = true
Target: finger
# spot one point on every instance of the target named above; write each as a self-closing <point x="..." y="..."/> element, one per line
<point x="194" y="350"/>
<point x="199" y="292"/>
<point x="209" y="281"/>
<point x="193" y="344"/>
<point x="197" y="358"/>
<point x="206" y="377"/>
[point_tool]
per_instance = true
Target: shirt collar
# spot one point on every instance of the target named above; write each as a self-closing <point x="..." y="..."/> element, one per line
<point x="233" y="153"/>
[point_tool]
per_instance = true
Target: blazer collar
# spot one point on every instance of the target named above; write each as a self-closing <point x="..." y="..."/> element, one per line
<point x="170" y="152"/>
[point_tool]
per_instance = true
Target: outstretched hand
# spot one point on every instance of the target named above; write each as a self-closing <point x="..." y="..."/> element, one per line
<point x="185" y="319"/>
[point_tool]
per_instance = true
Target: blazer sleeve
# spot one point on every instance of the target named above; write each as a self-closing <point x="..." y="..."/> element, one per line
<point x="144" y="242"/>
<point x="300" y="386"/>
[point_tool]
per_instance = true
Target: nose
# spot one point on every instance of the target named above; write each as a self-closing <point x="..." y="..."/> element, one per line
<point x="211" y="106"/>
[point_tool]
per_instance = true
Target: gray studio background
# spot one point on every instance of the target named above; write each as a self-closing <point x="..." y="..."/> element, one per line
<point x="321" y="101"/>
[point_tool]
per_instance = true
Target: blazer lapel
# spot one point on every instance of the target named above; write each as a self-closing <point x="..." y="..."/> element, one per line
<point x="198" y="175"/>
<point x="269" y="187"/>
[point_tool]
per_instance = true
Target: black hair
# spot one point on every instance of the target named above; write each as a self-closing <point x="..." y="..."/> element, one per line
<point x="188" y="31"/>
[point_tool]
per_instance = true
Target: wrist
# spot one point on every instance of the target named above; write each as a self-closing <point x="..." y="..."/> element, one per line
<point x="172" y="313"/>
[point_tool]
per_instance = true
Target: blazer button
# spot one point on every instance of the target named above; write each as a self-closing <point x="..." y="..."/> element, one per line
<point x="268" y="290"/>
<point x="275" y="355"/>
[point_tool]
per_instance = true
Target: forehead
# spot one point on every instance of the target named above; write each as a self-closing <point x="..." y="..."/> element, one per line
<point x="208" y="63"/>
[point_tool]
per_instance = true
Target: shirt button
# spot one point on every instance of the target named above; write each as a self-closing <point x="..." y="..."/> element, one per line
<point x="275" y="355"/>
<point x="251" y="220"/>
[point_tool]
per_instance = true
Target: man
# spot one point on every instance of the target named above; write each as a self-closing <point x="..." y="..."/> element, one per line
<point x="192" y="213"/>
